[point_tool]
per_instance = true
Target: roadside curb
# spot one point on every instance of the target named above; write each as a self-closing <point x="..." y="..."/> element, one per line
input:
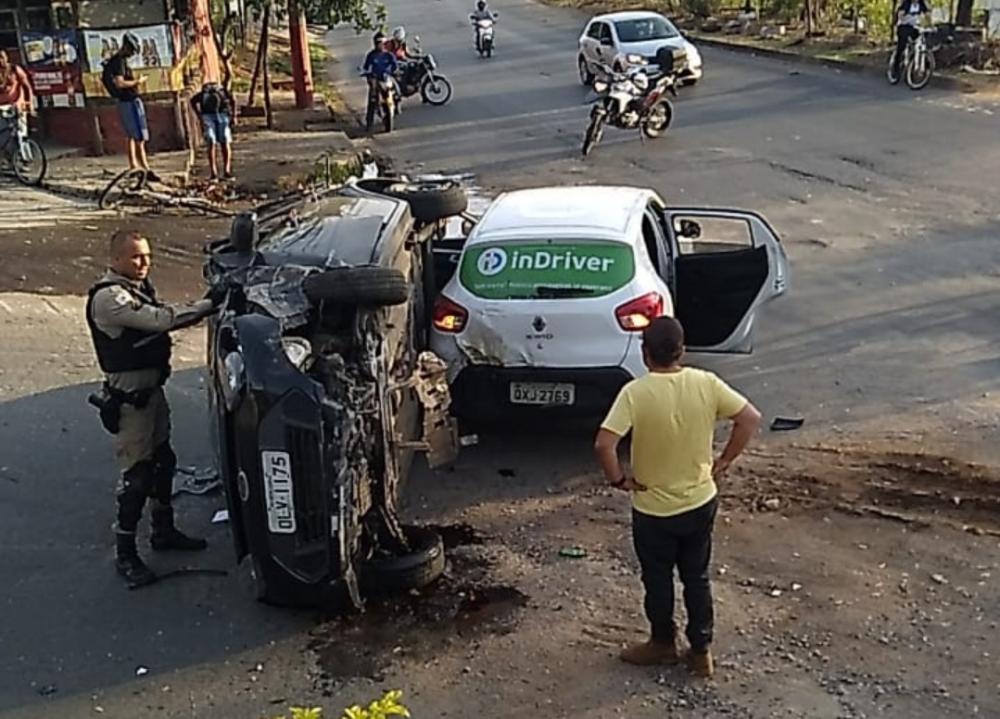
<point x="941" y="81"/>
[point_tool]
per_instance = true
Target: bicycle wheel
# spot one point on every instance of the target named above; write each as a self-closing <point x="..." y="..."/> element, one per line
<point x="920" y="70"/>
<point x="29" y="162"/>
<point x="120" y="189"/>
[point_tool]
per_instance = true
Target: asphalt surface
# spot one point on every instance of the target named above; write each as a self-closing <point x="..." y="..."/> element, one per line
<point x="885" y="199"/>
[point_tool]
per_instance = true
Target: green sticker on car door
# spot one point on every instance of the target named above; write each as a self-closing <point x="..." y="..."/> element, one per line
<point x="546" y="270"/>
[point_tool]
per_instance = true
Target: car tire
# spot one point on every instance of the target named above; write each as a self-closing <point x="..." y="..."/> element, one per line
<point x="429" y="201"/>
<point x="415" y="570"/>
<point x="367" y="286"/>
<point x="586" y="76"/>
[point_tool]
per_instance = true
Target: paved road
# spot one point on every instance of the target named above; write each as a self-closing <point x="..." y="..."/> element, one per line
<point x="885" y="198"/>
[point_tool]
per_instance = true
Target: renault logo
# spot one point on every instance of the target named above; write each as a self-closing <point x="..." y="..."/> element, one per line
<point x="538" y="324"/>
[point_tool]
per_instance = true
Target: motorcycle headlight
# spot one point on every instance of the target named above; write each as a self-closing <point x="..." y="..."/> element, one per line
<point x="232" y="377"/>
<point x="600" y="86"/>
<point x="298" y="351"/>
<point x="636" y="60"/>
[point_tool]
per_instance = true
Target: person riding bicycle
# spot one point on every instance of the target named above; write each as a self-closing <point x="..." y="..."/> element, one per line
<point x="908" y="16"/>
<point x="397" y="44"/>
<point x="16" y="91"/>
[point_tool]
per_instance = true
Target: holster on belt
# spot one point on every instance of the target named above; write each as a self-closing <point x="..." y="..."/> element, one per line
<point x="109" y="404"/>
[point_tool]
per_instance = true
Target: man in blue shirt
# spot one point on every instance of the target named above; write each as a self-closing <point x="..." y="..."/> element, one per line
<point x="379" y="62"/>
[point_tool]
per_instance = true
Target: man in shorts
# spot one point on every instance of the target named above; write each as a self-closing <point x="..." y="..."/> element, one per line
<point x="123" y="85"/>
<point x="214" y="105"/>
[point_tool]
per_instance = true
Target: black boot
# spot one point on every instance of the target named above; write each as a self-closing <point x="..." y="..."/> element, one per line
<point x="167" y="536"/>
<point x="129" y="565"/>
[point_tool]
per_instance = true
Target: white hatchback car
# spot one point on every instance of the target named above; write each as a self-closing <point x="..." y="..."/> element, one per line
<point x="553" y="286"/>
<point x="635" y="36"/>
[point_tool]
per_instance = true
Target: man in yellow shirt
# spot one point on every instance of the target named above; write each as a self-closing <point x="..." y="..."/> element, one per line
<point x="671" y="413"/>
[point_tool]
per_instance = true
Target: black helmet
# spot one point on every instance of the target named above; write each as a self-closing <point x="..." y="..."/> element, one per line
<point x="481" y="4"/>
<point x="130" y="44"/>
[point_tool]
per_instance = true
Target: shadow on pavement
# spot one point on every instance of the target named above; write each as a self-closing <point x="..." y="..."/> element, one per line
<point x="70" y="624"/>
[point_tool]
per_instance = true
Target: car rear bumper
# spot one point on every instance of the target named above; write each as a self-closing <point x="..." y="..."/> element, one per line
<point x="482" y="391"/>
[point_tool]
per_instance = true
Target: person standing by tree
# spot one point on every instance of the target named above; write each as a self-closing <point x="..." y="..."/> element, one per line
<point x="215" y="106"/>
<point x="671" y="413"/>
<point x="123" y="85"/>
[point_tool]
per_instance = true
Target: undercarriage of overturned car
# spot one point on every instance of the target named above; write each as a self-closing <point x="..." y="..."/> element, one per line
<point x="322" y="389"/>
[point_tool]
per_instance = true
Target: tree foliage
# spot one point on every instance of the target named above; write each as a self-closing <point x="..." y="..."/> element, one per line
<point x="362" y="14"/>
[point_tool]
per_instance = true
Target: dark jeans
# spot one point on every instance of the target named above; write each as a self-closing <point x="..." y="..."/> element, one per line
<point x="903" y="35"/>
<point x="683" y="541"/>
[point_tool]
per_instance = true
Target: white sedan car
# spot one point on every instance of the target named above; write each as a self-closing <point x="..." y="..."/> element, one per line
<point x="553" y="287"/>
<point x="632" y="38"/>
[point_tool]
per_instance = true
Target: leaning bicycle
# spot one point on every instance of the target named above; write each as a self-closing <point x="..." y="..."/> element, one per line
<point x="918" y="61"/>
<point x="131" y="189"/>
<point x="25" y="156"/>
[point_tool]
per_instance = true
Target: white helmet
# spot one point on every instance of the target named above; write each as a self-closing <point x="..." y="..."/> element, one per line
<point x="399" y="33"/>
<point x="641" y="81"/>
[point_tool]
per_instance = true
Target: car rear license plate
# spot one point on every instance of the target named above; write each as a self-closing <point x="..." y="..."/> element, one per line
<point x="542" y="393"/>
<point x="278" y="493"/>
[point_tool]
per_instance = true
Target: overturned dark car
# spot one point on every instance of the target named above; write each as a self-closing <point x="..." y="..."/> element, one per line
<point x="322" y="389"/>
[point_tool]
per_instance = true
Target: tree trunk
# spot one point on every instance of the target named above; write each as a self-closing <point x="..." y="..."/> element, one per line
<point x="963" y="16"/>
<point x="809" y="18"/>
<point x="302" y="79"/>
<point x="266" y="41"/>
<point x="261" y="54"/>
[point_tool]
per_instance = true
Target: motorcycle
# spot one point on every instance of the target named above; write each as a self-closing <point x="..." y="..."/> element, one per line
<point x="484" y="35"/>
<point x="419" y="74"/>
<point x="382" y="101"/>
<point x="630" y="100"/>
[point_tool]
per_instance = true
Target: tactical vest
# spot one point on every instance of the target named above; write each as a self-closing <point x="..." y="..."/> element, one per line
<point x="121" y="354"/>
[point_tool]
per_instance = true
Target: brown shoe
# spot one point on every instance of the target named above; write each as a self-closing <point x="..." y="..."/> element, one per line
<point x="701" y="664"/>
<point x="650" y="653"/>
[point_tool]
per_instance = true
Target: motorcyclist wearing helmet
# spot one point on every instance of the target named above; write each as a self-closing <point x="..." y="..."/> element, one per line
<point x="397" y="44"/>
<point x="482" y="12"/>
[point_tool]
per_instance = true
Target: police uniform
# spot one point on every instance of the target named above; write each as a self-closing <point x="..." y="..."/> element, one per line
<point x="129" y="327"/>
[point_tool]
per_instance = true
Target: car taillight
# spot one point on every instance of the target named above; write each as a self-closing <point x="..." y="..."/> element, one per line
<point x="449" y="316"/>
<point x="637" y="315"/>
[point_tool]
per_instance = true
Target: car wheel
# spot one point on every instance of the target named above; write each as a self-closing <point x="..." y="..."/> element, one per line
<point x="432" y="201"/>
<point x="586" y="76"/>
<point x="415" y="570"/>
<point x="368" y="286"/>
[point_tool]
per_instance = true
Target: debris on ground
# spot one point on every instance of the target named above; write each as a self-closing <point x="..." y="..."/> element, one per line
<point x="785" y="424"/>
<point x="573" y="552"/>
<point x="192" y="480"/>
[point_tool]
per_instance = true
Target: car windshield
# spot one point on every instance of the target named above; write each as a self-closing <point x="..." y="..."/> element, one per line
<point x="643" y="29"/>
<point x="558" y="269"/>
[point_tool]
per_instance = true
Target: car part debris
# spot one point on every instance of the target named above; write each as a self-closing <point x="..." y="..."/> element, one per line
<point x="785" y="424"/>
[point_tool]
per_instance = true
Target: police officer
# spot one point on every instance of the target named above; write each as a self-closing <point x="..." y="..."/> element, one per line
<point x="129" y="327"/>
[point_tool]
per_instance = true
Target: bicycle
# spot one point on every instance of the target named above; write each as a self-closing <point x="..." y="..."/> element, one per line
<point x="132" y="187"/>
<point x="25" y="156"/>
<point x="918" y="61"/>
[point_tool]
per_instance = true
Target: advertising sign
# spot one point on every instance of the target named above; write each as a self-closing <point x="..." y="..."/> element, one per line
<point x="525" y="270"/>
<point x="155" y="58"/>
<point x="52" y="59"/>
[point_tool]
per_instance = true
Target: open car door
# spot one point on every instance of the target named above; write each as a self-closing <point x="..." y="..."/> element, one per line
<point x="727" y="263"/>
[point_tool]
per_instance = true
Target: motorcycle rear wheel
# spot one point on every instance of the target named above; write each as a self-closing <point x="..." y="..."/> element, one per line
<point x="657" y="120"/>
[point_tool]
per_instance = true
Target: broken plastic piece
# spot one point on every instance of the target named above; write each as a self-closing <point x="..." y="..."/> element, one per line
<point x="573" y="552"/>
<point x="783" y="424"/>
<point x="220" y="517"/>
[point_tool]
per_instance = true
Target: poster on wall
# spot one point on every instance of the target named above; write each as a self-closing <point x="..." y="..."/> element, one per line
<point x="52" y="60"/>
<point x="156" y="49"/>
<point x="155" y="58"/>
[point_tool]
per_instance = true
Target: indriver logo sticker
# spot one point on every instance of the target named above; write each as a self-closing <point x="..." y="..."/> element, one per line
<point x="492" y="262"/>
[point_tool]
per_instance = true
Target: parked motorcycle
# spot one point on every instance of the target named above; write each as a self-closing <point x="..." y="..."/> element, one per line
<point x="381" y="101"/>
<point x="484" y="35"/>
<point x="630" y="100"/>
<point x="419" y="74"/>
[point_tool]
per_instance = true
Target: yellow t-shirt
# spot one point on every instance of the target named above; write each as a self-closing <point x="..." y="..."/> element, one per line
<point x="672" y="417"/>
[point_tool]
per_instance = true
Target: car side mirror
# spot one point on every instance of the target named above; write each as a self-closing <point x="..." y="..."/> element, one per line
<point x="244" y="232"/>
<point x="689" y="229"/>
